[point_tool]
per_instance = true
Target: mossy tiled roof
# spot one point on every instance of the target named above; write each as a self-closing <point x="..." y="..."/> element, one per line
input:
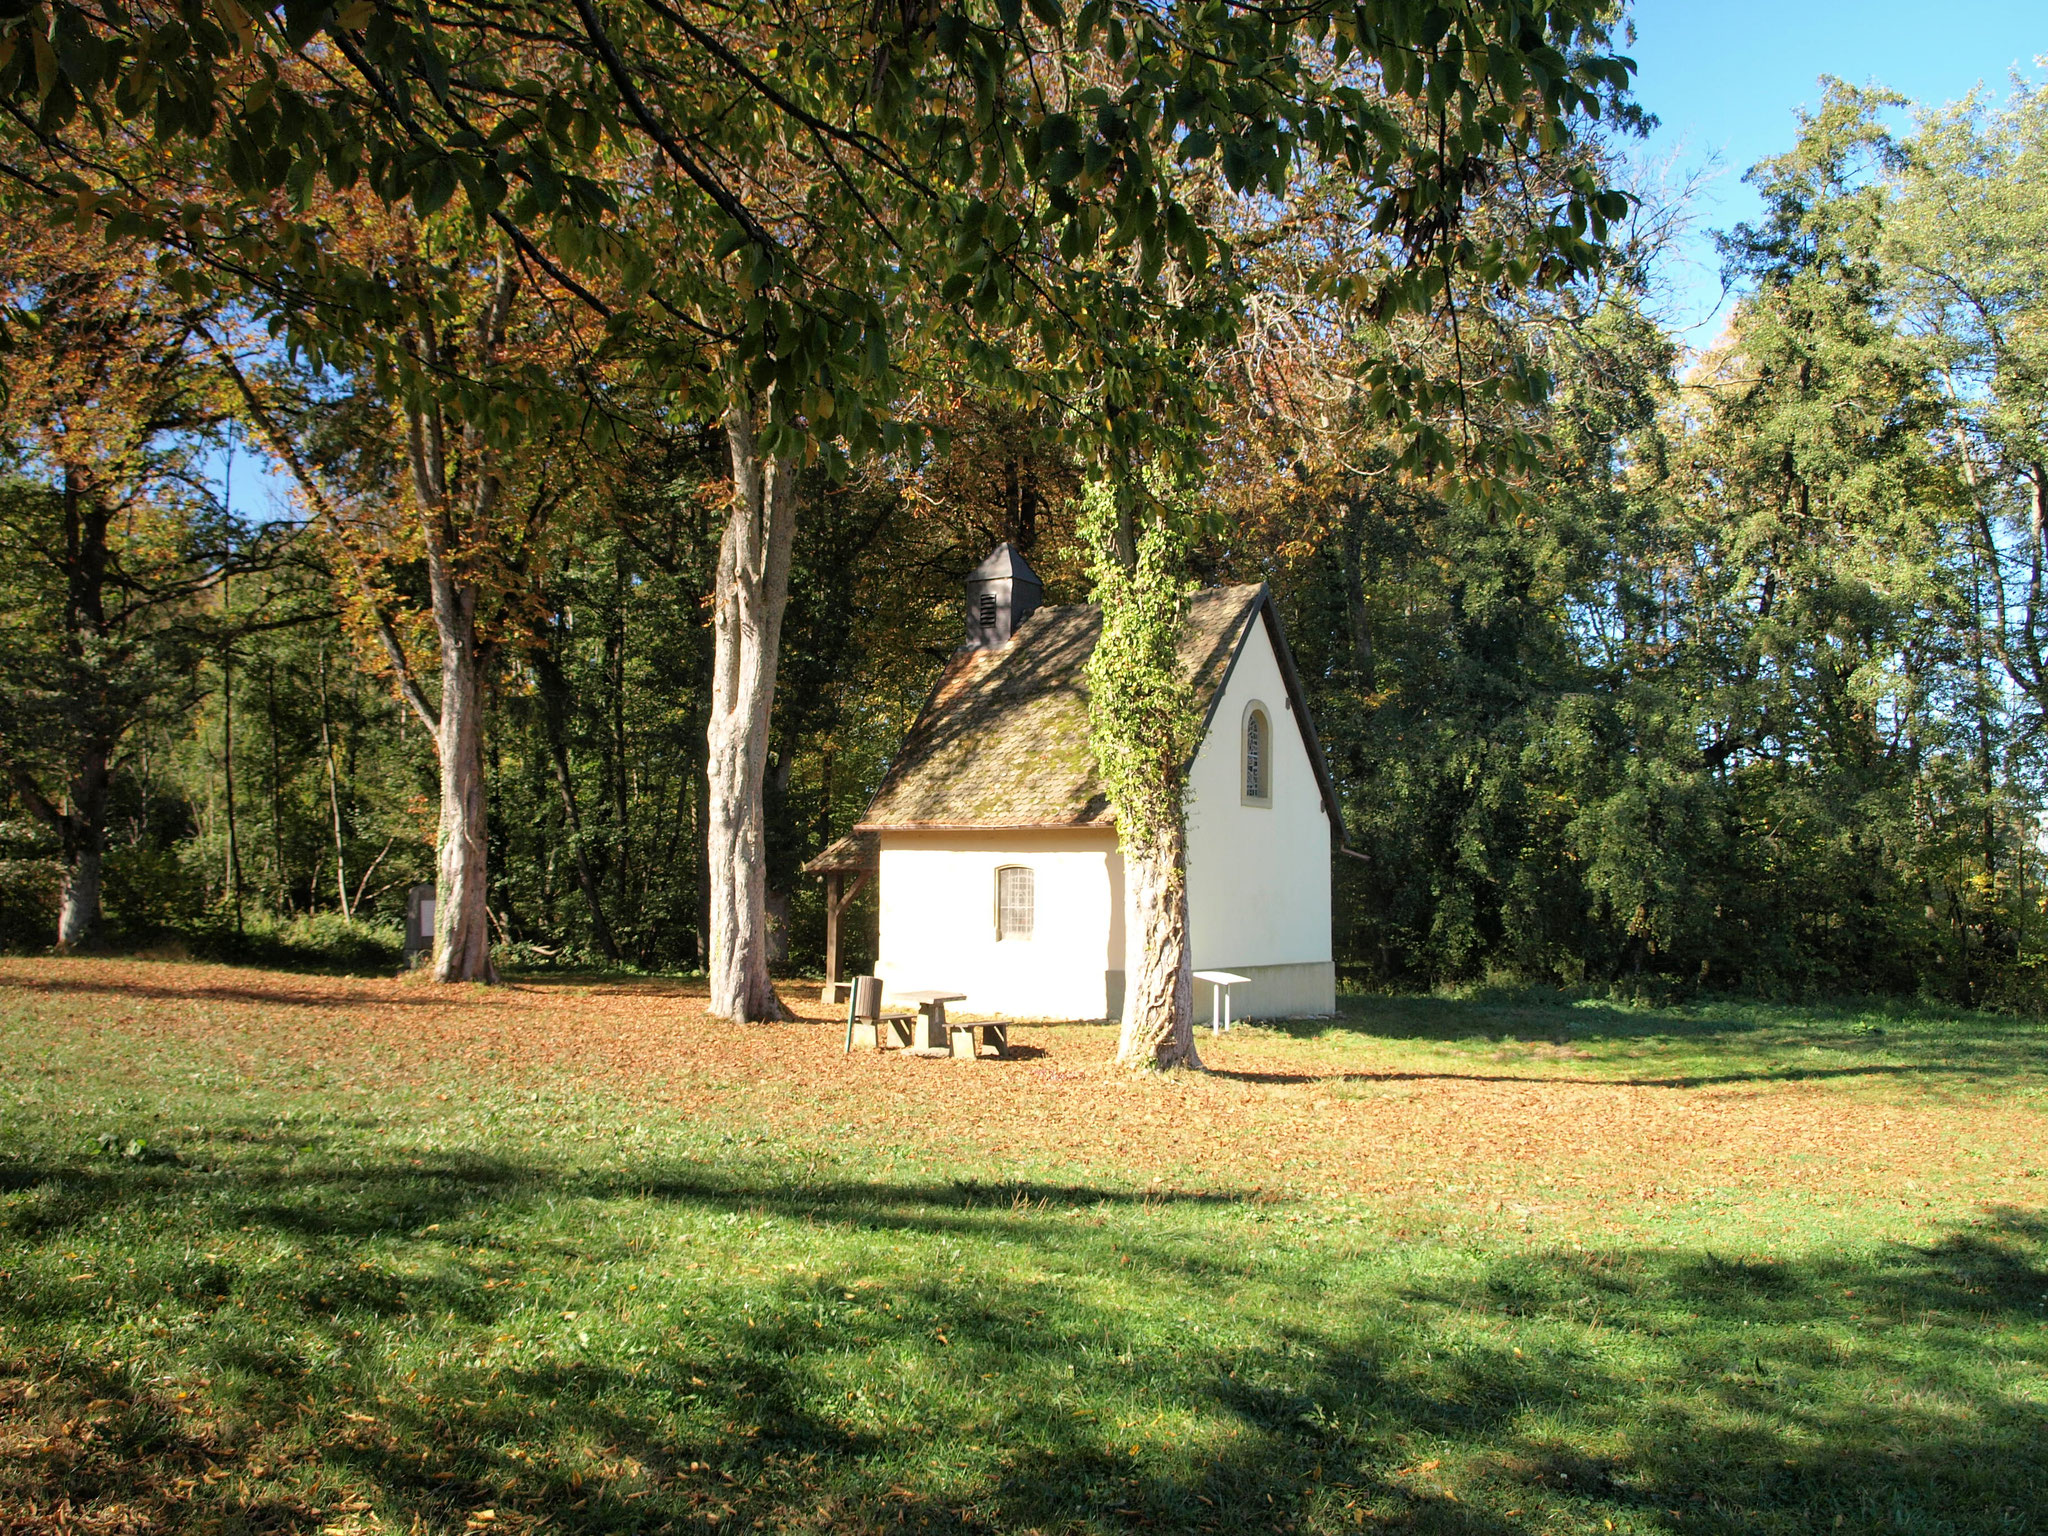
<point x="1003" y="739"/>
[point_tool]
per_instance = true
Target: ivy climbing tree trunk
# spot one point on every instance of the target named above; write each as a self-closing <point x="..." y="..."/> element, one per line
<point x="1144" y="727"/>
<point x="1159" y="1005"/>
<point x="752" y="591"/>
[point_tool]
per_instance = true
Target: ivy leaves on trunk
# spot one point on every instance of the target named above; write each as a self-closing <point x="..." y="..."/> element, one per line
<point x="1144" y="727"/>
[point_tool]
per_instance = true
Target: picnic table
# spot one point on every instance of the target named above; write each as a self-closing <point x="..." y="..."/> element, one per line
<point x="935" y="1034"/>
<point x="931" y="1014"/>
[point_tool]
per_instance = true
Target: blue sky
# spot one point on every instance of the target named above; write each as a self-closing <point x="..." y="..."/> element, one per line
<point x="1726" y="76"/>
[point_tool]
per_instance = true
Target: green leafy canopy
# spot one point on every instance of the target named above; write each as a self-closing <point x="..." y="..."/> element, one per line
<point x="792" y="199"/>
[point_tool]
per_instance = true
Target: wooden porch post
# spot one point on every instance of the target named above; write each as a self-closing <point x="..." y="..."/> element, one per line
<point x="839" y="894"/>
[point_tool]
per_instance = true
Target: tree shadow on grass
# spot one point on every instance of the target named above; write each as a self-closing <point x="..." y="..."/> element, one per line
<point x="1699" y="1080"/>
<point x="278" y="996"/>
<point x="1758" y="1041"/>
<point x="316" y="1200"/>
<point x="615" y="986"/>
<point x="1511" y="1391"/>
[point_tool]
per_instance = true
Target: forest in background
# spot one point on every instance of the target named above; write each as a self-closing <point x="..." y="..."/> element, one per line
<point x="1743" y="692"/>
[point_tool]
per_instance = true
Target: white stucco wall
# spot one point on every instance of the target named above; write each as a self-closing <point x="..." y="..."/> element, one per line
<point x="938" y="922"/>
<point x="1259" y="876"/>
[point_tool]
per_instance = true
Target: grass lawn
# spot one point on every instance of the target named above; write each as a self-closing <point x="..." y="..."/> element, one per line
<point x="289" y="1253"/>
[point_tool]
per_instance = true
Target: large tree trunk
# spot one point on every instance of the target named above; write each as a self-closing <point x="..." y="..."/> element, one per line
<point x="462" y="933"/>
<point x="82" y="832"/>
<point x="462" y="919"/>
<point x="462" y="892"/>
<point x="1159" y="1003"/>
<point x="753" y="589"/>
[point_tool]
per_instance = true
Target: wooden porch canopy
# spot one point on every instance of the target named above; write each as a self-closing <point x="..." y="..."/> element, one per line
<point x="858" y="855"/>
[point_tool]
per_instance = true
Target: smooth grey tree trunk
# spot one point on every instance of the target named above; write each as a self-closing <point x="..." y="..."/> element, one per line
<point x="78" y="920"/>
<point x="462" y="918"/>
<point x="449" y="515"/>
<point x="462" y="933"/>
<point x="752" y="591"/>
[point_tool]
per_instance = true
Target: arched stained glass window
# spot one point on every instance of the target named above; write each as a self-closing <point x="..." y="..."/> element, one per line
<point x="1258" y="751"/>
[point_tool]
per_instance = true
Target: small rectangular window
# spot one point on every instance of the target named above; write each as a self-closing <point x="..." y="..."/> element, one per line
<point x="1015" y="900"/>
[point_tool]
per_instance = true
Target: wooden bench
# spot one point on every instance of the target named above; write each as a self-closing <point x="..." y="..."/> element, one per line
<point x="870" y="1025"/>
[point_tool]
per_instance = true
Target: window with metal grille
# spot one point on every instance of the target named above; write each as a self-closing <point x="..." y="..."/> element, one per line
<point x="1258" y="787"/>
<point x="1015" y="899"/>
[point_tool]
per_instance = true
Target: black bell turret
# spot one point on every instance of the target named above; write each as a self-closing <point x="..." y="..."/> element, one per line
<point x="1001" y="594"/>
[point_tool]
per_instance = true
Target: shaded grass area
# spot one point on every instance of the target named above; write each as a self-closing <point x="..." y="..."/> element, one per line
<point x="318" y="944"/>
<point x="1703" y="1044"/>
<point x="467" y="1306"/>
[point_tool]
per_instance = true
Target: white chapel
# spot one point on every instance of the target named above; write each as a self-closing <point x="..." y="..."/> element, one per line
<point x="996" y="852"/>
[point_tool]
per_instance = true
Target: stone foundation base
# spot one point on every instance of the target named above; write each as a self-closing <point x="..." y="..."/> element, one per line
<point x="1304" y="991"/>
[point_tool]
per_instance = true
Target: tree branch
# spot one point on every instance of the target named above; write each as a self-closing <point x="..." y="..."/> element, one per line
<point x="316" y="497"/>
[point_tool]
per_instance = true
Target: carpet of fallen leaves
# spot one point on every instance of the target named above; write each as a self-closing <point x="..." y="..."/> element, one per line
<point x="1549" y="1141"/>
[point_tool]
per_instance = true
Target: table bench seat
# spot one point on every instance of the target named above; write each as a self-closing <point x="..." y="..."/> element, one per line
<point x="970" y="1041"/>
<point x="882" y="1033"/>
<point x="869" y="1023"/>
